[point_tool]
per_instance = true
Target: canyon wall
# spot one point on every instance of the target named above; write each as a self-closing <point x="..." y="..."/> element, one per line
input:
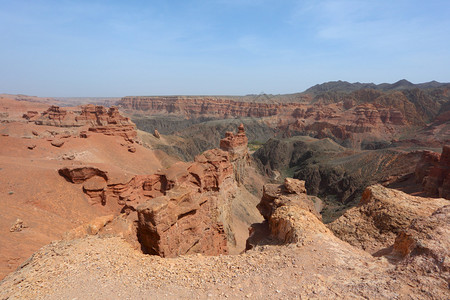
<point x="433" y="172"/>
<point x="184" y="209"/>
<point x="195" y="107"/>
<point x="346" y="122"/>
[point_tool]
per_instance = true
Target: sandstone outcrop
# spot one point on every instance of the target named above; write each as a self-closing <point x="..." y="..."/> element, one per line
<point x="96" y="117"/>
<point x="424" y="234"/>
<point x="428" y="161"/>
<point x="156" y="134"/>
<point x="422" y="253"/>
<point x="380" y="216"/>
<point x="194" y="213"/>
<point x="290" y="215"/>
<point x="56" y="116"/>
<point x="81" y="174"/>
<point x="425" y="244"/>
<point x="292" y="192"/>
<point x="237" y="147"/>
<point x="182" y="222"/>
<point x="433" y="171"/>
<point x="30" y="115"/>
<point x="184" y="209"/>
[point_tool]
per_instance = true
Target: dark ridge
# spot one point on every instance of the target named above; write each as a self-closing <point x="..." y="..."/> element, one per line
<point x="347" y="87"/>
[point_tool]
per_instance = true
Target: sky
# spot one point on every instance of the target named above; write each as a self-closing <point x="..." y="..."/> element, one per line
<point x="67" y="48"/>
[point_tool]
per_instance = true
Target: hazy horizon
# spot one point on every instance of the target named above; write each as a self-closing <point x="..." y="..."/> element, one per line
<point x="114" y="49"/>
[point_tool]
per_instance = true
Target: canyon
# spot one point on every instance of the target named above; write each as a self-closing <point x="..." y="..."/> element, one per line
<point x="340" y="191"/>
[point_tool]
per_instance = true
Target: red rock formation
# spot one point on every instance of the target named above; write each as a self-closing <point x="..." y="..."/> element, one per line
<point x="237" y="147"/>
<point x="190" y="216"/>
<point x="356" y="120"/>
<point x="434" y="173"/>
<point x="182" y="210"/>
<point x="183" y="222"/>
<point x="428" y="161"/>
<point x="95" y="187"/>
<point x="30" y="115"/>
<point x="55" y="116"/>
<point x="292" y="192"/>
<point x="96" y="117"/>
<point x="193" y="107"/>
<point x="81" y="174"/>
<point x="423" y="250"/>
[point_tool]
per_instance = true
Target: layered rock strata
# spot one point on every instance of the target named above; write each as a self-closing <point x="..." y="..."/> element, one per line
<point x="354" y="120"/>
<point x="194" y="215"/>
<point x="433" y="172"/>
<point x="237" y="147"/>
<point x="184" y="209"/>
<point x="96" y="117"/>
<point x="193" y="107"/>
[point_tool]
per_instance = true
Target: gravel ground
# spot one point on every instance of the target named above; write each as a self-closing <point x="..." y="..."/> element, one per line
<point x="109" y="268"/>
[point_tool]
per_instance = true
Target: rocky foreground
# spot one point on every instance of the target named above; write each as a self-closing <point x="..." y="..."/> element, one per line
<point x="309" y="262"/>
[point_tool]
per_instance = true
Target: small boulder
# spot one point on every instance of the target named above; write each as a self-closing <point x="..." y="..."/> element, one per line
<point x="57" y="143"/>
<point x="68" y="157"/>
<point x="131" y="149"/>
<point x="156" y="134"/>
<point x="18" y="226"/>
<point x="84" y="134"/>
<point x="294" y="186"/>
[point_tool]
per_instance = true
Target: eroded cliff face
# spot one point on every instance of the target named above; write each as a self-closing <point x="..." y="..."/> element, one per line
<point x="184" y="209"/>
<point x="194" y="215"/>
<point x="95" y="117"/>
<point x="347" y="122"/>
<point x="195" y="107"/>
<point x="237" y="147"/>
<point x="433" y="172"/>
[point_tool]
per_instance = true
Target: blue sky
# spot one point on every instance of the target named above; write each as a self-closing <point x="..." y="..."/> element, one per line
<point x="221" y="47"/>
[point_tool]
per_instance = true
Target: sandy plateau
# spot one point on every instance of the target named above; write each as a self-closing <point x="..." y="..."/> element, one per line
<point x="93" y="208"/>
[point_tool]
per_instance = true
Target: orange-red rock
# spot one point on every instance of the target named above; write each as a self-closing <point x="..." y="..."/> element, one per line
<point x="81" y="174"/>
<point x="290" y="215"/>
<point x="182" y="210"/>
<point x="434" y="169"/>
<point x="96" y="117"/>
<point x="382" y="214"/>
<point x="237" y="147"/>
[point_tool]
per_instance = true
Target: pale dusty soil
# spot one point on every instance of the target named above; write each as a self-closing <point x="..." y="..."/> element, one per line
<point x="108" y="268"/>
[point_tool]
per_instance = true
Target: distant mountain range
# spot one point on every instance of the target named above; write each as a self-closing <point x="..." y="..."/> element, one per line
<point x="344" y="86"/>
